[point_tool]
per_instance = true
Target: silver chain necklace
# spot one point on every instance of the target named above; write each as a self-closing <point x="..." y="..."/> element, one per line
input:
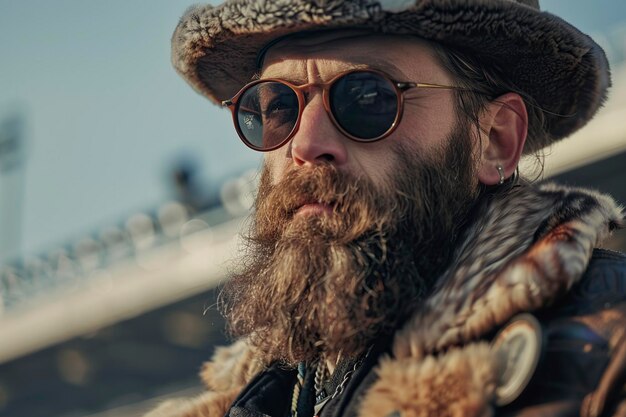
<point x="320" y="373"/>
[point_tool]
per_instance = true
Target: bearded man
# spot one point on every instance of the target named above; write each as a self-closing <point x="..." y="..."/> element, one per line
<point x="397" y="265"/>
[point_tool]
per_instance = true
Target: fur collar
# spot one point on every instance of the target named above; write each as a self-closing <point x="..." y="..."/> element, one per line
<point x="526" y="249"/>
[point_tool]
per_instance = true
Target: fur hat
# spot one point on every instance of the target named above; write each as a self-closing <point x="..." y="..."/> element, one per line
<point x="215" y="48"/>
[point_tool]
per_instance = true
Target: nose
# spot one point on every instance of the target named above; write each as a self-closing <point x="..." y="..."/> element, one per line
<point x="317" y="139"/>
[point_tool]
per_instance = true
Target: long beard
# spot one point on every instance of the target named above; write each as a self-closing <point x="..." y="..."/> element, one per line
<point x="335" y="282"/>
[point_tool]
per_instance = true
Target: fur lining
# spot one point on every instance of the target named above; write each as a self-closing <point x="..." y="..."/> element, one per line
<point x="460" y="383"/>
<point x="231" y="367"/>
<point x="526" y="249"/>
<point x="209" y="404"/>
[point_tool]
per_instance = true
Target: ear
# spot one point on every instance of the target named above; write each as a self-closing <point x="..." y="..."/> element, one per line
<point x="504" y="128"/>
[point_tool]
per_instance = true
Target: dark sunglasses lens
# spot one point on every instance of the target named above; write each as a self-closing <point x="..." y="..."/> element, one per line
<point x="267" y="113"/>
<point x="364" y="104"/>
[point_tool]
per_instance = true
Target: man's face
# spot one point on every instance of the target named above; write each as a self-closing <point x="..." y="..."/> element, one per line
<point x="348" y="237"/>
<point x="428" y="118"/>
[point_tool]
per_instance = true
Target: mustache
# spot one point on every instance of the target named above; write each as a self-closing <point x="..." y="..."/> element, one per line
<point x="353" y="200"/>
<point x="322" y="183"/>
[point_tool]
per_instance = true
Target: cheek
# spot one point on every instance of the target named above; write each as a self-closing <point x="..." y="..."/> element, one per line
<point x="275" y="165"/>
<point x="427" y="121"/>
<point x="375" y="161"/>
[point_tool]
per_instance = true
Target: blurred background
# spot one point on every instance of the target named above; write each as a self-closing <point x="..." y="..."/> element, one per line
<point x="122" y="193"/>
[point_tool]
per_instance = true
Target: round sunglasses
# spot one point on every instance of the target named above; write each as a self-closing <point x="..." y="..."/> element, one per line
<point x="365" y="105"/>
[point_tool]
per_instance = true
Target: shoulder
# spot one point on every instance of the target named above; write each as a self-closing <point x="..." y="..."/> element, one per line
<point x="603" y="283"/>
<point x="601" y="289"/>
<point x="606" y="262"/>
<point x="583" y="358"/>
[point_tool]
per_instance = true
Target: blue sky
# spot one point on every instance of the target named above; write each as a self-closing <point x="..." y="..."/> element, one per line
<point x="106" y="115"/>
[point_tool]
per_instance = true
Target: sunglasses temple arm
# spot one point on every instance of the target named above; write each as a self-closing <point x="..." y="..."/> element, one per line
<point x="406" y="86"/>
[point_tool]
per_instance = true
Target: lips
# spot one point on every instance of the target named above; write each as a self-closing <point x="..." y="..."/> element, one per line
<point x="313" y="207"/>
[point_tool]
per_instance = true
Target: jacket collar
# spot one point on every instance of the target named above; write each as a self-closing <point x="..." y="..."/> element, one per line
<point x="526" y="247"/>
<point x="524" y="251"/>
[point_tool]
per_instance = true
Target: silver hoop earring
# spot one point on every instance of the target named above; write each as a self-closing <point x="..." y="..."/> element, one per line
<point x="500" y="173"/>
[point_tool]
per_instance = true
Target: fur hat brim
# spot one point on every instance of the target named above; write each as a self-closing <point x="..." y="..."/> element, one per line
<point x="215" y="48"/>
